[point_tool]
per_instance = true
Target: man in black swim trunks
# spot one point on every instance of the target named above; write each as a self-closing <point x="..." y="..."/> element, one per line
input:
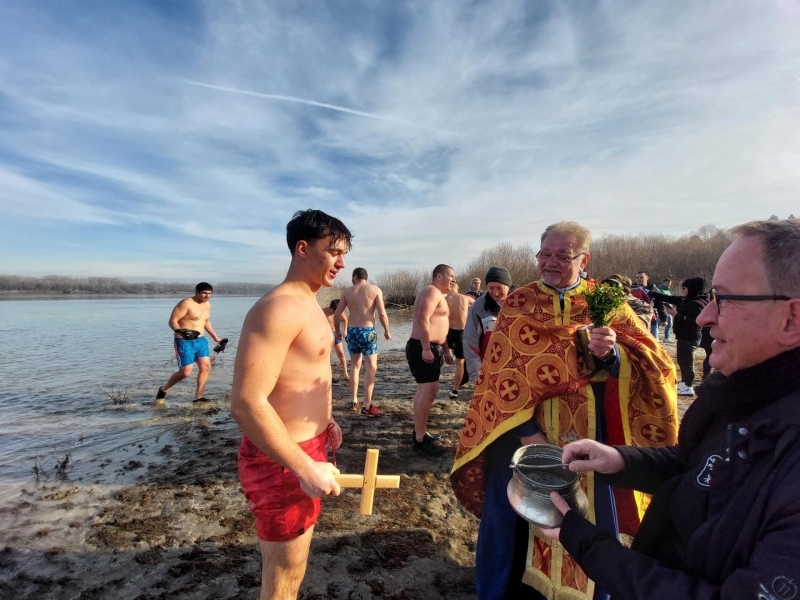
<point x="425" y="351"/>
<point x="459" y="307"/>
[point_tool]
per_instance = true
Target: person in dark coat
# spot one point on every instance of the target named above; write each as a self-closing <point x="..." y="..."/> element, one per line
<point x="724" y="520"/>
<point x="687" y="331"/>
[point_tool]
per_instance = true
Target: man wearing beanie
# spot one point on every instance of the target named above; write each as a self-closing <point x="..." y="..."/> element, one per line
<point x="687" y="332"/>
<point x="481" y="317"/>
<point x="535" y="388"/>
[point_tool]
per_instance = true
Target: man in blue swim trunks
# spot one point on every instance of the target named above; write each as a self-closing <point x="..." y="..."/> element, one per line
<point x="189" y="319"/>
<point x="362" y="301"/>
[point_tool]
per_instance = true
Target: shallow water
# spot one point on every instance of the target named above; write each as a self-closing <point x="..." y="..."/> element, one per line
<point x="59" y="352"/>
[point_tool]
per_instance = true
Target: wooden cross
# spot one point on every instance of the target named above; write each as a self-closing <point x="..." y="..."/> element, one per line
<point x="368" y="481"/>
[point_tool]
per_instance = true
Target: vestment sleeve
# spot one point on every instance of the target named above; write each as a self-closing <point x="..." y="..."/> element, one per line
<point x="773" y="568"/>
<point x="646" y="469"/>
<point x="473" y="331"/>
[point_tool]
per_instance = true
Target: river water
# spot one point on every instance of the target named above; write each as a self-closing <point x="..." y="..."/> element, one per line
<point x="57" y="354"/>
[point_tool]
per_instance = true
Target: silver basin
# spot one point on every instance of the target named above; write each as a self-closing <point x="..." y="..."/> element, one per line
<point x="529" y="488"/>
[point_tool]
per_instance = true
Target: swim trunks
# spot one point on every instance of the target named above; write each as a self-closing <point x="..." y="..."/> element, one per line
<point x="455" y="341"/>
<point x="283" y="511"/>
<point x="188" y="351"/>
<point x="423" y="372"/>
<point x="362" y="340"/>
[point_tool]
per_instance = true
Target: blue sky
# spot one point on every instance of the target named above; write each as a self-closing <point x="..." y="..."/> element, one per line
<point x="174" y="139"/>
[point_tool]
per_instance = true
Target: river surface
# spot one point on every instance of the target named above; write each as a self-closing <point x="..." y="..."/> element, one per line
<point x="57" y="354"/>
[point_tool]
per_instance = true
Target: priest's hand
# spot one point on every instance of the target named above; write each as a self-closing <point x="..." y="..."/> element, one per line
<point x="601" y="341"/>
<point x="563" y="508"/>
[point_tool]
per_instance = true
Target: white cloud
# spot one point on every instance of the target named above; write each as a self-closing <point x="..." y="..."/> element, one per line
<point x="433" y="130"/>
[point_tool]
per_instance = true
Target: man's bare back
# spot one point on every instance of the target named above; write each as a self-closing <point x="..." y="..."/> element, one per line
<point x="459" y="307"/>
<point x="363" y="300"/>
<point x="430" y="308"/>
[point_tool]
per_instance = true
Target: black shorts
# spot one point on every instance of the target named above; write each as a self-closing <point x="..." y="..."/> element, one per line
<point x="423" y="372"/>
<point x="455" y="341"/>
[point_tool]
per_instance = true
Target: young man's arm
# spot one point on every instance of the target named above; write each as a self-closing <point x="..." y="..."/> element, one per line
<point x="267" y="334"/>
<point x="384" y="319"/>
<point x="178" y="313"/>
<point x="338" y="316"/>
<point x="427" y="304"/>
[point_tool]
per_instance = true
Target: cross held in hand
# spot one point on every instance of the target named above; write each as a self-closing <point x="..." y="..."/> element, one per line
<point x="369" y="481"/>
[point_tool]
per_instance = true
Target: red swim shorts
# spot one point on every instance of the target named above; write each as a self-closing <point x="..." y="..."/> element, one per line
<point x="282" y="510"/>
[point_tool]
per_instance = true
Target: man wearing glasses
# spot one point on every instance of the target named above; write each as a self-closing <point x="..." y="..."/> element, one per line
<point x="724" y="521"/>
<point x="534" y="387"/>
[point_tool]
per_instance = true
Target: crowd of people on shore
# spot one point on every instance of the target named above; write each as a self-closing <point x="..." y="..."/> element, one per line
<point x="712" y="501"/>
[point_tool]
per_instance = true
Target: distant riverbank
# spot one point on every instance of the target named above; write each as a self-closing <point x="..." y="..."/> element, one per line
<point x="82" y="295"/>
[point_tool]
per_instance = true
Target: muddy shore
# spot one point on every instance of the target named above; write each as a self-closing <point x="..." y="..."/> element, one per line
<point x="183" y="530"/>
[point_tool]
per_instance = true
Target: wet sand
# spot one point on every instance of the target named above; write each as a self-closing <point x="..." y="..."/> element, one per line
<point x="183" y="530"/>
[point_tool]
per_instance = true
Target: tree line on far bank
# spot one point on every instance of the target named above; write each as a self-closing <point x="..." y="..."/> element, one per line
<point x="58" y="284"/>
<point x="660" y="256"/>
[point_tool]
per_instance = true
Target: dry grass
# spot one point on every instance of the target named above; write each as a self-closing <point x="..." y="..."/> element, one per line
<point x="661" y="256"/>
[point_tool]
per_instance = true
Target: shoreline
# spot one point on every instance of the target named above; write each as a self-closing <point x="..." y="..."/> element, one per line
<point x="184" y="529"/>
<point x="178" y="526"/>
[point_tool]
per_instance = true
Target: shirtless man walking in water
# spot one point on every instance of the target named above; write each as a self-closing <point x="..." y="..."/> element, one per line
<point x="363" y="299"/>
<point x="459" y="307"/>
<point x="281" y="400"/>
<point x="189" y="319"/>
<point x="425" y="351"/>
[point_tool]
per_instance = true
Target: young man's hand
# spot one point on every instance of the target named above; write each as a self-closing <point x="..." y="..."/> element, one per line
<point x="319" y="480"/>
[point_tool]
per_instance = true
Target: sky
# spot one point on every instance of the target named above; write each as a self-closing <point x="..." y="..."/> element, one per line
<point x="174" y="139"/>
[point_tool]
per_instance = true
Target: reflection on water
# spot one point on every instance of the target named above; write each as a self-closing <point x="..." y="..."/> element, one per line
<point x="57" y="354"/>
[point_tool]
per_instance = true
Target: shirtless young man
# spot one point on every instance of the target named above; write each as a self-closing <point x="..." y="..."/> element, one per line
<point x="362" y="299"/>
<point x="338" y="336"/>
<point x="425" y="351"/>
<point x="189" y="319"/>
<point x="281" y="400"/>
<point x="459" y="307"/>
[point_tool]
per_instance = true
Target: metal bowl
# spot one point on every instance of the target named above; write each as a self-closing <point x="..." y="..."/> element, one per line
<point x="530" y="487"/>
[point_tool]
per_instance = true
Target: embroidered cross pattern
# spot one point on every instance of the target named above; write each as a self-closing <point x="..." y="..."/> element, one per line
<point x="548" y="374"/>
<point x="528" y="335"/>
<point x="509" y="390"/>
<point x="654" y="433"/>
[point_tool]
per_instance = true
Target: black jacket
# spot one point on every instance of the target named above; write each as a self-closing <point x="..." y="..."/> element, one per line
<point x="724" y="522"/>
<point x="684" y="325"/>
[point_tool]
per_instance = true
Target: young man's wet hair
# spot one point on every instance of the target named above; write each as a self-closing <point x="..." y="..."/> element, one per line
<point x="360" y="273"/>
<point x="312" y="225"/>
<point x="203" y="287"/>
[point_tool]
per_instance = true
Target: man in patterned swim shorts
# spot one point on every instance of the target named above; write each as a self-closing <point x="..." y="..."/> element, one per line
<point x="281" y="400"/>
<point x="363" y="300"/>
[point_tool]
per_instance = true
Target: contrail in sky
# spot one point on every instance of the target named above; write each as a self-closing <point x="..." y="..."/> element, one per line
<point x="304" y="101"/>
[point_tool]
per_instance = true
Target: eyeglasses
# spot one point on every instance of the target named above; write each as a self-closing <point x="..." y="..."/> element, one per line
<point x="718" y="298"/>
<point x="561" y="259"/>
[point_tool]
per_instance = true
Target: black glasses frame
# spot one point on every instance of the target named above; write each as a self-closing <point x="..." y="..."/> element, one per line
<point x="718" y="298"/>
<point x="561" y="261"/>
